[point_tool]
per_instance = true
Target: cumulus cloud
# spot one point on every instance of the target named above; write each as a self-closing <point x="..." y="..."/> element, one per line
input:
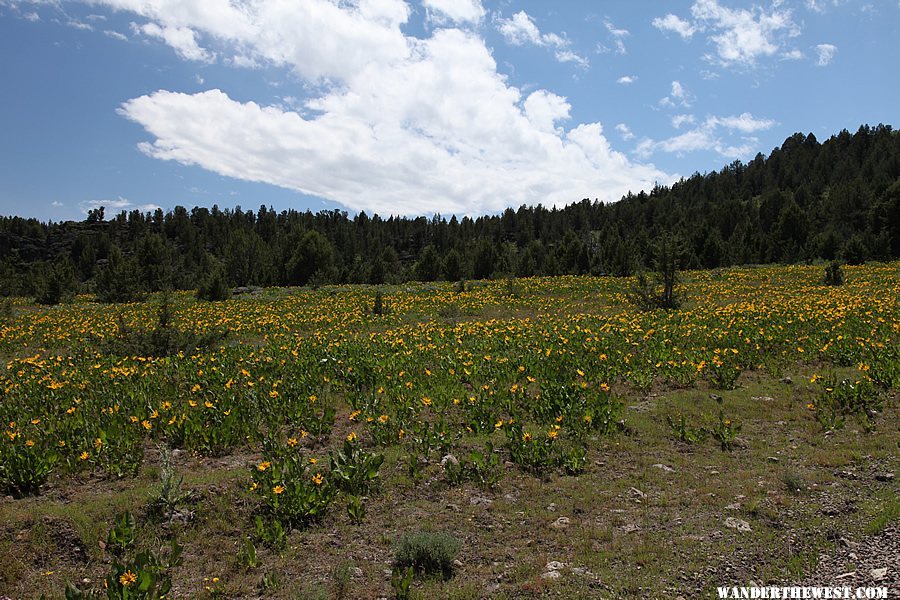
<point x="740" y="36"/>
<point x="627" y="79"/>
<point x="521" y="30"/>
<point x="433" y="129"/>
<point x="673" y="23"/>
<point x="454" y="11"/>
<point x="625" y="132"/>
<point x="182" y="39"/>
<point x="708" y="136"/>
<point x="826" y="53"/>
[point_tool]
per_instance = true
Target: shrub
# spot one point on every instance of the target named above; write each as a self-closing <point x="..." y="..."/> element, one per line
<point x="645" y="294"/>
<point x="427" y="552"/>
<point x="214" y="287"/>
<point x="834" y="274"/>
<point x="379" y="306"/>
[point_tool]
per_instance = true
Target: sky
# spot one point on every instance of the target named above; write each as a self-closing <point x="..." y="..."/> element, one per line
<point x="417" y="107"/>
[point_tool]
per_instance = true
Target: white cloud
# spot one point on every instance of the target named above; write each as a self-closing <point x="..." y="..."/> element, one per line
<point x="521" y="30"/>
<point x="439" y="132"/>
<point x="673" y="23"/>
<point x="679" y="96"/>
<point x="740" y="36"/>
<point x="182" y="39"/>
<point x="745" y="123"/>
<point x="627" y="79"/>
<point x="623" y="129"/>
<point x="114" y="206"/>
<point x="708" y="136"/>
<point x="794" y="54"/>
<point x="115" y="35"/>
<point x="454" y="11"/>
<point x="544" y="108"/>
<point x="618" y="36"/>
<point x="826" y="54"/>
<point x="679" y="120"/>
<point x="318" y="39"/>
<point x="56" y="204"/>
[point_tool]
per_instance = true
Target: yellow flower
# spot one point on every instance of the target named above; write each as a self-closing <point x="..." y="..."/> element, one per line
<point x="426" y="400"/>
<point x="84" y="456"/>
<point x="29" y="443"/>
<point x="526" y="437"/>
<point x="352" y="437"/>
<point x="604" y="387"/>
<point x="263" y="465"/>
<point x="292" y="442"/>
<point x="811" y="406"/>
<point x="196" y="388"/>
<point x="278" y="489"/>
<point x="498" y="424"/>
<point x="97" y="443"/>
<point x="383" y="419"/>
<point x="127" y="578"/>
<point x="317" y="479"/>
<point x="312" y="399"/>
<point x="552" y="434"/>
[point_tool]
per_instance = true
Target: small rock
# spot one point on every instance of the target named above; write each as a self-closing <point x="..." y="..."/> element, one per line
<point x="762" y="398"/>
<point x="884" y="477"/>
<point x="88" y="580"/>
<point x="665" y="468"/>
<point x="551" y="575"/>
<point x="787" y="380"/>
<point x="555" y="565"/>
<point x="636" y="493"/>
<point x="457" y="563"/>
<point x="630" y="528"/>
<point x="560" y="523"/>
<point x="453" y="507"/>
<point x="878" y="574"/>
<point x="847" y="543"/>
<point x="734" y="506"/>
<point x="773" y="459"/>
<point x="449" y="458"/>
<point x="552" y="507"/>
<point x="738" y="524"/>
<point x="716" y="397"/>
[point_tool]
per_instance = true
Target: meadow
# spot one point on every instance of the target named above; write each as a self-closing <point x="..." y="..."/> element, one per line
<point x="512" y="439"/>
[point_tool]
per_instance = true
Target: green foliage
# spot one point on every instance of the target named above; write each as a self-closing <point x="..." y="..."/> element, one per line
<point x="163" y="340"/>
<point x="684" y="432"/>
<point x="834" y="274"/>
<point x="481" y="467"/>
<point x="214" y="287"/>
<point x="133" y="575"/>
<point x="427" y="552"/>
<point x="353" y="470"/>
<point x="379" y="307"/>
<point x="166" y="499"/>
<point x="844" y="398"/>
<point x="56" y="284"/>
<point x="401" y="580"/>
<point x="661" y="292"/>
<point x="26" y="461"/>
<point x="119" y="279"/>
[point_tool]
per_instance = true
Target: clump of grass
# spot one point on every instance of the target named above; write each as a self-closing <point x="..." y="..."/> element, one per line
<point x="889" y="513"/>
<point x="427" y="552"/>
<point x="834" y="274"/>
<point x="793" y="481"/>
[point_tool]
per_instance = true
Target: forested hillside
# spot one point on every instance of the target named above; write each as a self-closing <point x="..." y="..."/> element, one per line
<point x="806" y="200"/>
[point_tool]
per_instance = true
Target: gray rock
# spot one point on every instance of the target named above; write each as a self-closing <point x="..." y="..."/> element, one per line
<point x="560" y="523"/>
<point x="739" y="524"/>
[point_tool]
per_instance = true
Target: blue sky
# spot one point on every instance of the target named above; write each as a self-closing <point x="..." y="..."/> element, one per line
<point x="418" y="106"/>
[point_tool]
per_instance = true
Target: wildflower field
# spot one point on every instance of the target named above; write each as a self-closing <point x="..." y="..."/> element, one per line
<point x="282" y="443"/>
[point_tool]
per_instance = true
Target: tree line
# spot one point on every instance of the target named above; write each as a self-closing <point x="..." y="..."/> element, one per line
<point x="806" y="200"/>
